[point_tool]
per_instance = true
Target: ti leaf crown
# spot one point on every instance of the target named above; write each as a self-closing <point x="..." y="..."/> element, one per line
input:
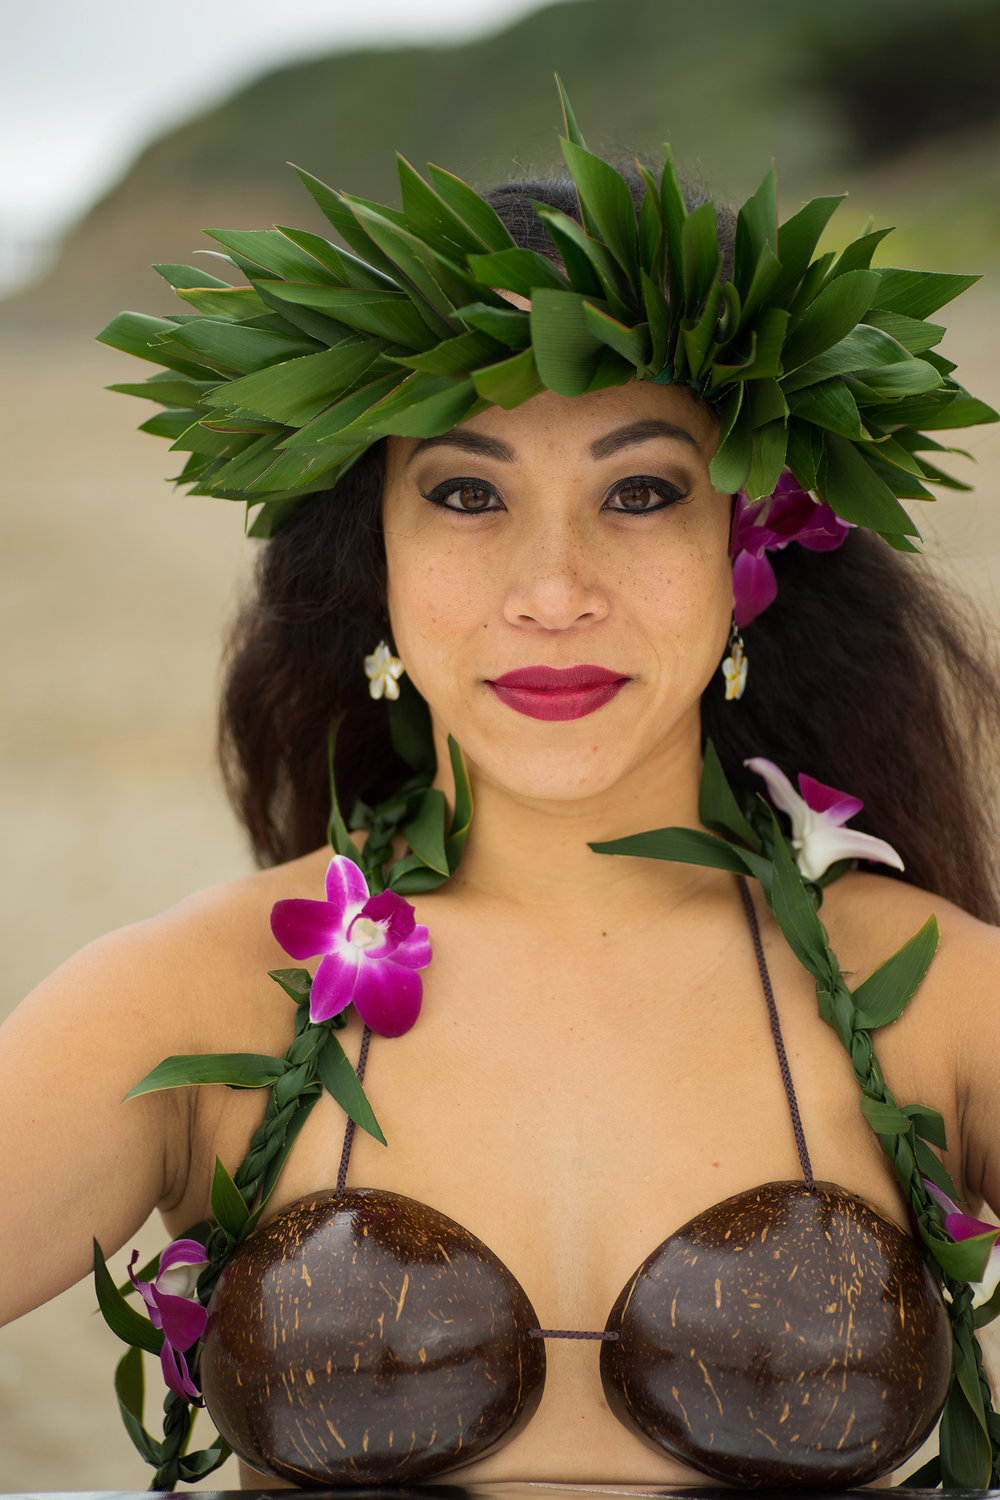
<point x="822" y="365"/>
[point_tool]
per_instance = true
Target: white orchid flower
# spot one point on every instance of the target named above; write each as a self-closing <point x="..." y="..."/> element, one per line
<point x="818" y="815"/>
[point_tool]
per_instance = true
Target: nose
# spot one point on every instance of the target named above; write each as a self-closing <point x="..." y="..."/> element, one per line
<point x="556" y="578"/>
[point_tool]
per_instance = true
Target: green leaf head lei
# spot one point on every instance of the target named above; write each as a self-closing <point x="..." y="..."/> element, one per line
<point x="818" y="364"/>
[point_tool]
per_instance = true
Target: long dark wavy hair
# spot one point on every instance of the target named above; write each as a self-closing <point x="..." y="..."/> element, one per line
<point x="865" y="672"/>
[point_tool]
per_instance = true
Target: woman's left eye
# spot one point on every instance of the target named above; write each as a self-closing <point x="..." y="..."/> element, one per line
<point x="641" y="494"/>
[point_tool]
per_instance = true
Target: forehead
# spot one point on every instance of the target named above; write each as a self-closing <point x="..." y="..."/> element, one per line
<point x="575" y="424"/>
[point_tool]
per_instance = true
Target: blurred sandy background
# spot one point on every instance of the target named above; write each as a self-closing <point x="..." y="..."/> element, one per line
<point x="115" y="590"/>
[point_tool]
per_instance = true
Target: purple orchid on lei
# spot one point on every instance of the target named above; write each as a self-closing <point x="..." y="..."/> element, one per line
<point x="963" y="1226"/>
<point x="789" y="515"/>
<point x="174" y="1311"/>
<point x="817" y="816"/>
<point x="372" y="948"/>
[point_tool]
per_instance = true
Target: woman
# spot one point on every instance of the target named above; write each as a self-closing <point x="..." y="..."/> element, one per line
<point x="555" y="492"/>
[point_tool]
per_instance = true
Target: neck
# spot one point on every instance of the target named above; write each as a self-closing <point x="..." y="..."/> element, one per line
<point x="533" y="853"/>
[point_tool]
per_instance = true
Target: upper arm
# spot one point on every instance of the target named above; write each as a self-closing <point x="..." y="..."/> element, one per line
<point x="76" y="1162"/>
<point x="975" y="1007"/>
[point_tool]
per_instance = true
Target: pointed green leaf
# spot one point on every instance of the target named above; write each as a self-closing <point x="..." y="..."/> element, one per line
<point x="509" y="382"/>
<point x="237" y="1070"/>
<point x="770" y="444"/>
<point x="731" y="464"/>
<point x="832" y="315"/>
<point x="521" y="271"/>
<point x="829" y="404"/>
<point x="687" y="846"/>
<point x="464" y="201"/>
<point x="794" y="911"/>
<point x="914" y="334"/>
<point x="296" y="983"/>
<point x="294" y="391"/>
<point x="884" y="1118"/>
<point x="189" y="276"/>
<point x="146" y="338"/>
<point x="884" y="995"/>
<point x="606" y="200"/>
<point x="337" y="832"/>
<point x="565" y="348"/>
<point x="569" y="118"/>
<point x="756" y="233"/>
<point x="798" y="238"/>
<point x="340" y="1080"/>
<point x="461" y="818"/>
<point x="717" y="806"/>
<point x="384" y="314"/>
<point x="508" y="325"/>
<point x="633" y="344"/>
<point x="231" y="302"/>
<point x="858" y="255"/>
<point x="589" y="264"/>
<point x="459" y="356"/>
<point x="229" y="1207"/>
<point x="917" y="294"/>
<point x="130" y="1326"/>
<point x="852" y="489"/>
<point x="909" y="377"/>
<point x="130" y="1390"/>
<point x="424" y="832"/>
<point x="237" y="346"/>
<point x="271" y="252"/>
<point x="429" y="215"/>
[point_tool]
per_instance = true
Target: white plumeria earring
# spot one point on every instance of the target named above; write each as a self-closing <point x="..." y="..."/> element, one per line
<point x="734" y="666"/>
<point x="383" y="671"/>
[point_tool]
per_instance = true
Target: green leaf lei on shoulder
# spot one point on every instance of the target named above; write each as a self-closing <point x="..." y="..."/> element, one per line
<point x="315" y="1061"/>
<point x="748" y="840"/>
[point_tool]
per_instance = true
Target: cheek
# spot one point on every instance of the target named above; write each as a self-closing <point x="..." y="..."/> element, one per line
<point x="432" y="604"/>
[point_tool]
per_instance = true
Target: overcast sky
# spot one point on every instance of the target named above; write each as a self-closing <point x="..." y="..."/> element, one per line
<point x="85" y="84"/>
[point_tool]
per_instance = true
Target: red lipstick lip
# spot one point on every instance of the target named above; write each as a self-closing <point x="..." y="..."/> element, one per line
<point x="558" y="693"/>
<point x="556" y="679"/>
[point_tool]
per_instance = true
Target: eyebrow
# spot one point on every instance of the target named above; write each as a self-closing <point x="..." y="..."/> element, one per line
<point x="612" y="442"/>
<point x="470" y="442"/>
<point x="640" y="432"/>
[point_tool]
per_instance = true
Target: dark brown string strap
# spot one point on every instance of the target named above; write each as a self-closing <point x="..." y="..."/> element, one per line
<point x="779" y="1042"/>
<point x="345" y="1155"/>
<point x="571" y="1333"/>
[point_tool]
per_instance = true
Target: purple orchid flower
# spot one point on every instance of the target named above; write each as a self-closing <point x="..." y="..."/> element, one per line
<point x="790" y="514"/>
<point x="173" y="1309"/>
<point x="371" y="946"/>
<point x="818" y="815"/>
<point x="960" y="1225"/>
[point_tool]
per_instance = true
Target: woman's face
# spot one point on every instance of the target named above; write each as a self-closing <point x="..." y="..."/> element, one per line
<point x="559" y="584"/>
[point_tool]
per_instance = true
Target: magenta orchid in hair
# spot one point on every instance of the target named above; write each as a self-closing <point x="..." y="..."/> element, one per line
<point x="172" y="1308"/>
<point x="372" y="948"/>
<point x="818" y="815"/>
<point x="788" y="515"/>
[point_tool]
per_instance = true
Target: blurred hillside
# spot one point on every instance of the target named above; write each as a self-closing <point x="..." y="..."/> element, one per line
<point x="896" y="101"/>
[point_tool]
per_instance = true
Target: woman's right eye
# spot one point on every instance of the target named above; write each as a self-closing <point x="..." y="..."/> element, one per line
<point x="469" y="497"/>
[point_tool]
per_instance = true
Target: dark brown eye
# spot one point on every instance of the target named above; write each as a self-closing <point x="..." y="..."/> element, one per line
<point x="636" y="495"/>
<point x="641" y="493"/>
<point x="469" y="497"/>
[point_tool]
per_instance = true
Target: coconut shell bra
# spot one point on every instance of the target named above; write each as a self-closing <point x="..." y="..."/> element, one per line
<point x="790" y="1336"/>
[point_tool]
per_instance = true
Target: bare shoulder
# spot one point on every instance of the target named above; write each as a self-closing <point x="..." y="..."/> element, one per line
<point x="945" y="1049"/>
<point x="155" y="976"/>
<point x="869" y="916"/>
